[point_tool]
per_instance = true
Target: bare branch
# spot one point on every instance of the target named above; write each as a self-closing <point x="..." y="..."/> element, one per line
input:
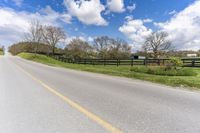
<point x="157" y="42"/>
<point x="52" y="36"/>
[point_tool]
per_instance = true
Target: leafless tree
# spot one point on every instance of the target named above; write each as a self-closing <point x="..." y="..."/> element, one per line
<point x="119" y="49"/>
<point x="157" y="42"/>
<point x="78" y="48"/>
<point x="34" y="34"/>
<point x="107" y="47"/>
<point x="52" y="36"/>
<point x="101" y="43"/>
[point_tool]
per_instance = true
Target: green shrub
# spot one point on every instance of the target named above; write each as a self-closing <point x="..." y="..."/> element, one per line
<point x="174" y="63"/>
<point x="161" y="70"/>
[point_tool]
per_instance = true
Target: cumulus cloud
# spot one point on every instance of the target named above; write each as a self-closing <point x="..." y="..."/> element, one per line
<point x="116" y="5"/>
<point x="131" y="8"/>
<point x="184" y="28"/>
<point x="88" y="12"/>
<point x="83" y="38"/>
<point x="135" y="30"/>
<point x="14" y="24"/>
<point x="128" y="18"/>
<point x="172" y="12"/>
<point x="53" y="15"/>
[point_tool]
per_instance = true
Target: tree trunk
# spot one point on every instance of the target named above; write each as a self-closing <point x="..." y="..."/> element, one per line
<point x="155" y="54"/>
<point x="36" y="49"/>
<point x="53" y="50"/>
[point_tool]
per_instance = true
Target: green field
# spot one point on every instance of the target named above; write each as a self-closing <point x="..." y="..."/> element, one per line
<point x="192" y="82"/>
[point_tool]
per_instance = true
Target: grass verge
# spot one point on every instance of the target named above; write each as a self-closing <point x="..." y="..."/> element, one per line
<point x="163" y="71"/>
<point x="192" y="82"/>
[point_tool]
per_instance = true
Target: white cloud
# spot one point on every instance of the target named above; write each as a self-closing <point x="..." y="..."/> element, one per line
<point x="90" y="39"/>
<point x="53" y="15"/>
<point x="172" y="12"/>
<point x="130" y="17"/>
<point x="147" y="20"/>
<point x="135" y="30"/>
<point x="131" y="8"/>
<point x="70" y="38"/>
<point x="184" y="28"/>
<point x="14" y="24"/>
<point x="88" y="12"/>
<point x="18" y="2"/>
<point x="116" y="5"/>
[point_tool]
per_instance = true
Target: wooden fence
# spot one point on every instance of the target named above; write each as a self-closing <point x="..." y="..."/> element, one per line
<point x="189" y="62"/>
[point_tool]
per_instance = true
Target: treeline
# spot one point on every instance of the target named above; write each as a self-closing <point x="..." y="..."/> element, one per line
<point x="2" y="50"/>
<point x="44" y="39"/>
<point x="102" y="47"/>
<point x="30" y="47"/>
<point x="171" y="53"/>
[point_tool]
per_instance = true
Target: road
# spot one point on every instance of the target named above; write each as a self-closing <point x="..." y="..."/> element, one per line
<point x="36" y="98"/>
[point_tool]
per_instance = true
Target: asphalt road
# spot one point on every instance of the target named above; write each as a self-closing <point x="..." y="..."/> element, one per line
<point x="131" y="106"/>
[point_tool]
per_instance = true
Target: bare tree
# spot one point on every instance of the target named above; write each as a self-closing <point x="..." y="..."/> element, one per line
<point x="157" y="42"/>
<point x="119" y="49"/>
<point x="78" y="48"/>
<point x="102" y="45"/>
<point x="107" y="47"/>
<point x="34" y="34"/>
<point x="52" y="36"/>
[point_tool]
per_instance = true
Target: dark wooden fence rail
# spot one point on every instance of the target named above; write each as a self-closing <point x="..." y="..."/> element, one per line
<point x="190" y="62"/>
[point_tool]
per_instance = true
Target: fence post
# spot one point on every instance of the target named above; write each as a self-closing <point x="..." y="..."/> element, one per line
<point x="131" y="62"/>
<point x="85" y="61"/>
<point x="159" y="62"/>
<point x="104" y="62"/>
<point x="93" y="62"/>
<point x="117" y="62"/>
<point x="145" y="62"/>
<point x="193" y="63"/>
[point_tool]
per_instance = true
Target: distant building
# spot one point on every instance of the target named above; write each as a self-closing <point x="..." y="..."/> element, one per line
<point x="138" y="57"/>
<point x="191" y="55"/>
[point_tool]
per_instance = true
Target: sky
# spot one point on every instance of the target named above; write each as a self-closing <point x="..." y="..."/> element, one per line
<point x="131" y="20"/>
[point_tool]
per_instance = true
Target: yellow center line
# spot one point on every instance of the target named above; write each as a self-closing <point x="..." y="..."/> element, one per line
<point x="75" y="105"/>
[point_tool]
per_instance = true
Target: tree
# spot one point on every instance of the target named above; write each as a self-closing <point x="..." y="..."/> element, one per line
<point x="2" y="49"/>
<point x="107" y="47"/>
<point x="157" y="42"/>
<point x="119" y="49"/>
<point x="101" y="45"/>
<point x="52" y="36"/>
<point x="34" y="35"/>
<point x="78" y="48"/>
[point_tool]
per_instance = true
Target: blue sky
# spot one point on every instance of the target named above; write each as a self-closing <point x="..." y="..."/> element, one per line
<point x="131" y="20"/>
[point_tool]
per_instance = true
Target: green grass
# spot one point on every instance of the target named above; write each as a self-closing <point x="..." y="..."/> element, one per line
<point x="162" y="70"/>
<point x="192" y="82"/>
